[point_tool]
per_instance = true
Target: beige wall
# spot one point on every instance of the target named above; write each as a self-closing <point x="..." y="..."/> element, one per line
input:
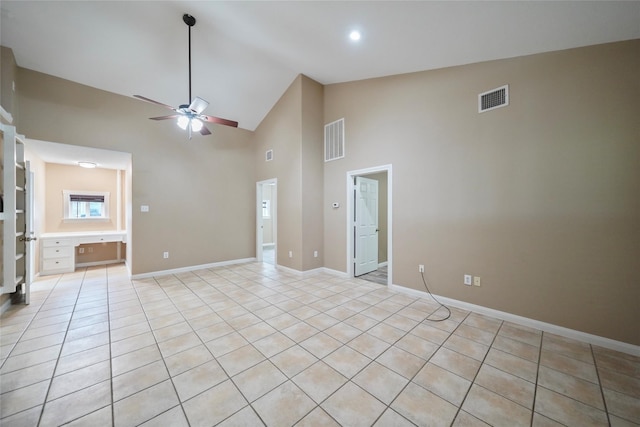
<point x="293" y="130"/>
<point x="539" y="199"/>
<point x="312" y="158"/>
<point x="176" y="177"/>
<point x="8" y="71"/>
<point x="280" y="131"/>
<point x="65" y="177"/>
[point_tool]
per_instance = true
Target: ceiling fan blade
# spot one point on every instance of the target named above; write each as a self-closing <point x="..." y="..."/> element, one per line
<point x="198" y="105"/>
<point x="218" y="120"/>
<point x="205" y="131"/>
<point x="172" y="116"/>
<point x="154" y="102"/>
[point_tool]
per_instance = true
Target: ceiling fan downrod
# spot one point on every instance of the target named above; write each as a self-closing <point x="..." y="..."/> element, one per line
<point x="190" y="21"/>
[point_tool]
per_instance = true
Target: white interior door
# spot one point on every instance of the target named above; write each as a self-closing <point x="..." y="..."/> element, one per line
<point x="366" y="225"/>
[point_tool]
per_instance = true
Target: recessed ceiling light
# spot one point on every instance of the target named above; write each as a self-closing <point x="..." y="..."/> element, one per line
<point x="355" y="35"/>
<point x="88" y="165"/>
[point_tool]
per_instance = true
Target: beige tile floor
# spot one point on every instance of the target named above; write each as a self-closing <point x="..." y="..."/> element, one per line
<point x="249" y="345"/>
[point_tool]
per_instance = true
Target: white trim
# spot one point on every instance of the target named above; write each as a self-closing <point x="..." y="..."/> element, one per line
<point x="383" y="264"/>
<point x="335" y="272"/>
<point x="259" y="218"/>
<point x="532" y="323"/>
<point x="349" y="216"/>
<point x="94" y="263"/>
<point x="66" y="217"/>
<point x="6" y="116"/>
<point x="5" y="305"/>
<point x="192" y="268"/>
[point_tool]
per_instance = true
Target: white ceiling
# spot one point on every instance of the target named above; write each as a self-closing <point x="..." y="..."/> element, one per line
<point x="51" y="152"/>
<point x="245" y="54"/>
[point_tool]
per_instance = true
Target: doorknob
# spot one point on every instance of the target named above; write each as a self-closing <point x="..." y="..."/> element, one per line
<point x="27" y="239"/>
<point x="377" y="229"/>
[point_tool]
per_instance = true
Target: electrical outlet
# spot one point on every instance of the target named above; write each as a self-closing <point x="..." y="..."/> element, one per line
<point x="165" y="255"/>
<point x="290" y="254"/>
<point x="467" y="279"/>
<point x="144" y="208"/>
<point x="315" y="254"/>
<point x="80" y="250"/>
<point x="90" y="249"/>
<point x="476" y="281"/>
<point x="421" y="268"/>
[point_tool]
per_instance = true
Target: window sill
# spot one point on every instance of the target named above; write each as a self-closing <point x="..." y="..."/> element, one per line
<point x="79" y="220"/>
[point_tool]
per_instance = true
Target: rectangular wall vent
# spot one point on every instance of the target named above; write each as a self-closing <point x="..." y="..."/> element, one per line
<point x="268" y="156"/>
<point x="493" y="99"/>
<point x="334" y="140"/>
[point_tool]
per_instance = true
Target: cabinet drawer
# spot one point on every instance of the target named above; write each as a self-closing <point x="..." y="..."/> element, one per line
<point x="61" y="252"/>
<point x="57" y="264"/>
<point x="50" y="243"/>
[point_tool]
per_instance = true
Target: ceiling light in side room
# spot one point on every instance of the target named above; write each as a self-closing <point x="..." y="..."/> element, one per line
<point x="87" y="165"/>
<point x="355" y="35"/>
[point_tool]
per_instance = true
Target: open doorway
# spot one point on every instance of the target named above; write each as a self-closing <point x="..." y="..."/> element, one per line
<point x="266" y="221"/>
<point x="56" y="169"/>
<point x="369" y="224"/>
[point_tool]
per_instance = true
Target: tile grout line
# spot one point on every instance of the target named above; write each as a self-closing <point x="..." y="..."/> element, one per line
<point x="53" y="374"/>
<point x="535" y="388"/>
<point x="601" y="386"/>
<point x="113" y="414"/>
<point x="28" y="323"/>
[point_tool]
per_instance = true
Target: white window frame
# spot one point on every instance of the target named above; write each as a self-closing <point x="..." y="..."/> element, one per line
<point x="67" y="205"/>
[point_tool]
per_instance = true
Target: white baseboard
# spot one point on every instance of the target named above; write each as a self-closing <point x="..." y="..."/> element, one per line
<point x="532" y="323"/>
<point x="335" y="272"/>
<point x="94" y="263"/>
<point x="5" y="305"/>
<point x="383" y="264"/>
<point x="191" y="268"/>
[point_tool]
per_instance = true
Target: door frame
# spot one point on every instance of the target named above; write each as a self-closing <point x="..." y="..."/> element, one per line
<point x="274" y="218"/>
<point x="351" y="214"/>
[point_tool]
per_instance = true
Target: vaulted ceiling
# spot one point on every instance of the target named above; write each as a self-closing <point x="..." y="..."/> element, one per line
<point x="245" y="54"/>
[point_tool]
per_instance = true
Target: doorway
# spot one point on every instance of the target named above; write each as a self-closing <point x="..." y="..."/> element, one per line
<point x="369" y="224"/>
<point x="266" y="221"/>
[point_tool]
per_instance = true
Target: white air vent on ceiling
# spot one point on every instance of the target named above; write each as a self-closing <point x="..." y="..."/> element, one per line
<point x="493" y="99"/>
<point x="268" y="155"/>
<point x="334" y="140"/>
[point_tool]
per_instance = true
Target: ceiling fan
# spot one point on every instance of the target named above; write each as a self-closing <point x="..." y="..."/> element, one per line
<point x="190" y="115"/>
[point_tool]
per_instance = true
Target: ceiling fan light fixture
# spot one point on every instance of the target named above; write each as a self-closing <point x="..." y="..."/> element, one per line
<point x="196" y="125"/>
<point x="183" y="122"/>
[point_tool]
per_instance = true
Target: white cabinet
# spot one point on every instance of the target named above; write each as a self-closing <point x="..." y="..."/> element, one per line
<point x="58" y="250"/>
<point x="57" y="255"/>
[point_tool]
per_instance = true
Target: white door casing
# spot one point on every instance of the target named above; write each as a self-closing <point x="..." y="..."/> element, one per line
<point x="259" y="220"/>
<point x="366" y="225"/>
<point x="29" y="232"/>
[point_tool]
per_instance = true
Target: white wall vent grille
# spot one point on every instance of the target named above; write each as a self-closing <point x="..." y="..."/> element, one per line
<point x="493" y="99"/>
<point x="268" y="155"/>
<point x="334" y="140"/>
